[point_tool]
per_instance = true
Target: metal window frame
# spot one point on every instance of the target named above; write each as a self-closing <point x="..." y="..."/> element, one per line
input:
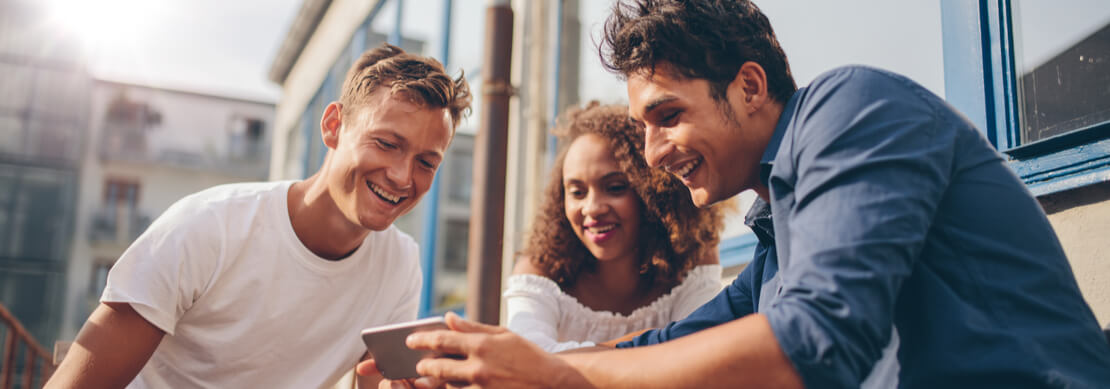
<point x="980" y="81"/>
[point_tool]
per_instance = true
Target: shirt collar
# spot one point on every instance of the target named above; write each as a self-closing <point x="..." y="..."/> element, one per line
<point x="772" y="149"/>
<point x="759" y="220"/>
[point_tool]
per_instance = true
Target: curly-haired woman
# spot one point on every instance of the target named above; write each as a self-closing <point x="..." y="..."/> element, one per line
<point x="616" y="246"/>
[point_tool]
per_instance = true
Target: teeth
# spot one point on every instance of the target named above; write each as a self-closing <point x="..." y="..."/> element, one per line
<point x="381" y="192"/>
<point x="604" y="229"/>
<point x="685" y="169"/>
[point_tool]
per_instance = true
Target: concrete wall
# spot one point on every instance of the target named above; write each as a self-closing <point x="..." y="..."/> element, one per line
<point x="1081" y="218"/>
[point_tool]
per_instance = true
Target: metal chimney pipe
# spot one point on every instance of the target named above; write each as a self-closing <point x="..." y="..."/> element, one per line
<point x="487" y="206"/>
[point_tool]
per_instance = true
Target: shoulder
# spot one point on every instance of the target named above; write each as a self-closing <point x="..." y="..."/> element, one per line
<point x="861" y="76"/>
<point x="525" y="265"/>
<point x="224" y="206"/>
<point x="858" y="88"/>
<point x="863" y="101"/>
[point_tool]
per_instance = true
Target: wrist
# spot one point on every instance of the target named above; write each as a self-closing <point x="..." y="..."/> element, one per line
<point x="569" y="373"/>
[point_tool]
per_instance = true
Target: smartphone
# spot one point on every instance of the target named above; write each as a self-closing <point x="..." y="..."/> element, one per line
<point x="387" y="346"/>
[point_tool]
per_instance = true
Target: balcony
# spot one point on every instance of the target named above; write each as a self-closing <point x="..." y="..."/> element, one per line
<point x="117" y="225"/>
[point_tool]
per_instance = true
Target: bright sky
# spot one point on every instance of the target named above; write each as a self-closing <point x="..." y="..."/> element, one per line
<point x="214" y="46"/>
<point x="226" y="47"/>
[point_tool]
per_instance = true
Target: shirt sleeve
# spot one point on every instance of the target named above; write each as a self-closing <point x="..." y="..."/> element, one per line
<point x="870" y="167"/>
<point x="729" y="304"/>
<point x="533" y="314"/>
<point x="170" y="265"/>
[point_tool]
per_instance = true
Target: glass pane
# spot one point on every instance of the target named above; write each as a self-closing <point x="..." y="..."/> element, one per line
<point x="1062" y="56"/>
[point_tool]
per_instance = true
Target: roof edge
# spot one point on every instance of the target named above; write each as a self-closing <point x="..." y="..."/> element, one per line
<point x="304" y="25"/>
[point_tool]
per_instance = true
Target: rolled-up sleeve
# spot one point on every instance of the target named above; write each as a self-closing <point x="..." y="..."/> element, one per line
<point x="869" y="170"/>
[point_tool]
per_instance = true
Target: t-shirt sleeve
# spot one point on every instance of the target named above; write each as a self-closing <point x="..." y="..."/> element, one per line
<point x="532" y="311"/>
<point x="170" y="265"/>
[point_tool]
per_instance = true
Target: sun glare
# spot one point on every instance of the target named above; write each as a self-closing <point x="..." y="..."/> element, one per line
<point x="104" y="23"/>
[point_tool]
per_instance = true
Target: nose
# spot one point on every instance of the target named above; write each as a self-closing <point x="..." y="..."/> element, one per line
<point x="655" y="146"/>
<point x="399" y="173"/>
<point x="595" y="206"/>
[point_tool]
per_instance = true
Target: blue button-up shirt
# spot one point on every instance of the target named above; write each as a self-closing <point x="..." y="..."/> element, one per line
<point x="891" y="210"/>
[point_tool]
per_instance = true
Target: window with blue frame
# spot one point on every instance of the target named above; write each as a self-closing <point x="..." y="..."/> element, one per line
<point x="1035" y="76"/>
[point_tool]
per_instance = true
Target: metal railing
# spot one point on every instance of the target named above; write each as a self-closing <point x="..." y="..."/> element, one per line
<point x="34" y="354"/>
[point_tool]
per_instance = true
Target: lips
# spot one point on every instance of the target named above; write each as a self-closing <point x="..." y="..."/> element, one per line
<point x="384" y="194"/>
<point x="600" y="232"/>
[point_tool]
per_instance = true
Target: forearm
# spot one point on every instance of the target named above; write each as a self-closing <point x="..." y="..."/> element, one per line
<point x="739" y="354"/>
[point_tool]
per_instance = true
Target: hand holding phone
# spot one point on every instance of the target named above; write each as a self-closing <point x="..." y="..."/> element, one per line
<point x="387" y="346"/>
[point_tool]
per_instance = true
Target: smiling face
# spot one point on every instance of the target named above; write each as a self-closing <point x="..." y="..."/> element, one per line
<point x="384" y="158"/>
<point x="600" y="204"/>
<point x="713" y="146"/>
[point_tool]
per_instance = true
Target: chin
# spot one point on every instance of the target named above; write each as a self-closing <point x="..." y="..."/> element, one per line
<point x="374" y="223"/>
<point x="701" y="197"/>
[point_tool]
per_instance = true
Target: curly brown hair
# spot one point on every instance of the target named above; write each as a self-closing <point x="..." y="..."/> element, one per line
<point x="673" y="232"/>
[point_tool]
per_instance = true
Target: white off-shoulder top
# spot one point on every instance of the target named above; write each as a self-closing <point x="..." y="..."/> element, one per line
<point x="541" y="312"/>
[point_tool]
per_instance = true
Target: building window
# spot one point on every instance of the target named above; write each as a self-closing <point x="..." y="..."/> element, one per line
<point x="119" y="191"/>
<point x="99" y="275"/>
<point x="456" y="245"/>
<point x="1062" y="58"/>
<point x="460" y="170"/>
<point x="1041" y="93"/>
<point x="246" y="137"/>
<point x="125" y="126"/>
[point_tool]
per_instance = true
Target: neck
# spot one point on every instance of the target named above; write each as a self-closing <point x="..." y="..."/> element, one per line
<point x="318" y="222"/>
<point x="619" y="279"/>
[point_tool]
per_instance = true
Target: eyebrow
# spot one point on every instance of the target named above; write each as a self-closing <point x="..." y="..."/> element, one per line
<point x="606" y="177"/>
<point x="656" y="103"/>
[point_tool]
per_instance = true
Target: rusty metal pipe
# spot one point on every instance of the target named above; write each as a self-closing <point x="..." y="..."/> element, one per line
<point x="487" y="204"/>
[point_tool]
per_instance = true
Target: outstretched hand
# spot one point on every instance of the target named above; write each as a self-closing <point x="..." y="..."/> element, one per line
<point x="488" y="356"/>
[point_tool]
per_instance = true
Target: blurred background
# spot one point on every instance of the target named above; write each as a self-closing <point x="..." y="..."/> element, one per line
<point x="112" y="110"/>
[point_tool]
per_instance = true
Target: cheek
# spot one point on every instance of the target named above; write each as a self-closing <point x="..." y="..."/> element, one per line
<point x="629" y="209"/>
<point x="570" y="210"/>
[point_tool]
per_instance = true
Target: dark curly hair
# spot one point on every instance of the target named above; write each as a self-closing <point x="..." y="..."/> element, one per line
<point x="699" y="39"/>
<point x="673" y="231"/>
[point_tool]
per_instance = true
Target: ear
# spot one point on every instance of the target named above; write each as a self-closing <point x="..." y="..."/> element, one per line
<point x="330" y="125"/>
<point x="749" y="88"/>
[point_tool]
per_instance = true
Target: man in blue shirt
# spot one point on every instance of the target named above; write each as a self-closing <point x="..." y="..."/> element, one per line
<point x="890" y="212"/>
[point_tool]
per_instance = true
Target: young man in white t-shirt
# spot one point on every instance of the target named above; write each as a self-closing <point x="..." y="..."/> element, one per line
<point x="268" y="284"/>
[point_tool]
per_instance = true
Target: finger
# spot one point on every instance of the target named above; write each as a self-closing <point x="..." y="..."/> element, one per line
<point x="457" y="323"/>
<point x="445" y="342"/>
<point x="443" y="369"/>
<point x="427" y="383"/>
<point x="367" y="368"/>
<point x="400" y="384"/>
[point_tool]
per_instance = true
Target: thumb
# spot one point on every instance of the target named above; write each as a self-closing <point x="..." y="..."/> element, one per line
<point x="456" y="323"/>
<point x="367" y="368"/>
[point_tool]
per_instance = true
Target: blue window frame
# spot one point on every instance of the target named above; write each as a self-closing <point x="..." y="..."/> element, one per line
<point x="982" y="81"/>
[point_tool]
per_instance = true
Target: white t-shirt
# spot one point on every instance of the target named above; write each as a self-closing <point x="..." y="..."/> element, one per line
<point x="539" y="310"/>
<point x="245" y="305"/>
